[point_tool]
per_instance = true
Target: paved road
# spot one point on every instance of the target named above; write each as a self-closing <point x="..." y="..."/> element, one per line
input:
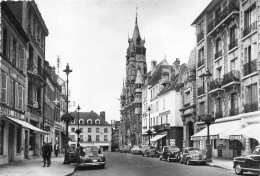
<point x="121" y="164"/>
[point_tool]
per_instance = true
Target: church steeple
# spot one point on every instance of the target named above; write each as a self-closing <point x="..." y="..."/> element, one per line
<point x="136" y="34"/>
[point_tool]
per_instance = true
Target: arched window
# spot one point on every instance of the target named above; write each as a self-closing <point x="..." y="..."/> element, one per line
<point x="89" y="121"/>
<point x="97" y="121"/>
<point x="81" y="121"/>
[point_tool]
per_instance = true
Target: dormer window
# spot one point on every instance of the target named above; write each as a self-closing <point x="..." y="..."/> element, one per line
<point x="97" y="121"/>
<point x="81" y="121"/>
<point x="89" y="121"/>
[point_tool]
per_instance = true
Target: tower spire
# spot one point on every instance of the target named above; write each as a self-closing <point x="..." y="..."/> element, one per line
<point x="136" y="14"/>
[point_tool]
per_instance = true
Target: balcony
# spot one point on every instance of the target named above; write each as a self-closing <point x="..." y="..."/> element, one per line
<point x="201" y="62"/>
<point x="219" y="114"/>
<point x="250" y="67"/>
<point x="230" y="77"/>
<point x="251" y="107"/>
<point x="186" y="105"/>
<point x="224" y="16"/>
<point x="200" y="36"/>
<point x="215" y="84"/>
<point x="161" y="127"/>
<point x="232" y="44"/>
<point x="233" y="111"/>
<point x="218" y="54"/>
<point x="201" y="90"/>
<point x="249" y="29"/>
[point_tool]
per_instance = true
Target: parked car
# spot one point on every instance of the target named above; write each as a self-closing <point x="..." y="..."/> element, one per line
<point x="150" y="151"/>
<point x="120" y="149"/>
<point x="192" y="155"/>
<point x="137" y="150"/>
<point x="247" y="163"/>
<point x="127" y="149"/>
<point x="170" y="153"/>
<point x="90" y="156"/>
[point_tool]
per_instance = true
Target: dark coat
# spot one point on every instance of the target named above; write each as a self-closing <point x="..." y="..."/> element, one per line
<point x="46" y="150"/>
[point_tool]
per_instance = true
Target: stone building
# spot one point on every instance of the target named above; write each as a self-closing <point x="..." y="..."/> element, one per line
<point x="95" y="130"/>
<point x="228" y="48"/>
<point x="131" y="96"/>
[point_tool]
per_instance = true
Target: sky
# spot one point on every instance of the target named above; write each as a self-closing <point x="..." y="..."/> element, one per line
<point x="92" y="36"/>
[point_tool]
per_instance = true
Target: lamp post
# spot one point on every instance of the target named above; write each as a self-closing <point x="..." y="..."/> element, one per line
<point x="78" y="131"/>
<point x="208" y="119"/>
<point x="149" y="132"/>
<point x="67" y="117"/>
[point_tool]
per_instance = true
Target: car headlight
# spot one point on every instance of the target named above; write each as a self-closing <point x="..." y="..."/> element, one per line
<point x="204" y="157"/>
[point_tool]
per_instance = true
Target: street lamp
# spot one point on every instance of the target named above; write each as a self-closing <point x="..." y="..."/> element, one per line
<point x="78" y="131"/>
<point x="67" y="117"/>
<point x="149" y="132"/>
<point x="208" y="119"/>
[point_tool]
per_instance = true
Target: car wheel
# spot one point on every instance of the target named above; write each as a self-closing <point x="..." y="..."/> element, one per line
<point x="188" y="162"/>
<point x="168" y="159"/>
<point x="238" y="169"/>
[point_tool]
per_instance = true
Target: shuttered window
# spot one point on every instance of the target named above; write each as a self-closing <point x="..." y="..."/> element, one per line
<point x="20" y="92"/>
<point x="4" y="88"/>
<point x="16" y="96"/>
<point x="11" y="48"/>
<point x="21" y="58"/>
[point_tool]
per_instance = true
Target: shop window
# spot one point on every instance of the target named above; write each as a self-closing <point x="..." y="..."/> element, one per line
<point x="32" y="140"/>
<point x="18" y="139"/>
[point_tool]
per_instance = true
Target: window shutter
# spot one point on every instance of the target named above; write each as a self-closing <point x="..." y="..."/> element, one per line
<point x="23" y="100"/>
<point x="16" y="95"/>
<point x="11" y="92"/>
<point x="7" y="90"/>
<point x="17" y="55"/>
<point x="3" y="93"/>
<point x="20" y="89"/>
<point x="11" y="53"/>
<point x="21" y="64"/>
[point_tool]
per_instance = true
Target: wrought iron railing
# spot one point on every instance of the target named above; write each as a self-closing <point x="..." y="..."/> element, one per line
<point x="201" y="62"/>
<point x="230" y="77"/>
<point x="219" y="114"/>
<point x="249" y="29"/>
<point x="200" y="36"/>
<point x="232" y="44"/>
<point x="250" y="67"/>
<point x="161" y="127"/>
<point x="201" y="90"/>
<point x="217" y="83"/>
<point x="218" y="54"/>
<point x="186" y="105"/>
<point x="233" y="111"/>
<point x="232" y="7"/>
<point x="250" y="107"/>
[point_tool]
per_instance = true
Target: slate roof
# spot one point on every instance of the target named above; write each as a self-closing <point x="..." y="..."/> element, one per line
<point x="89" y="115"/>
<point x="171" y="86"/>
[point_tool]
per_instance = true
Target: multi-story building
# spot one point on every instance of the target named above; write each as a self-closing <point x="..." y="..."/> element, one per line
<point x="227" y="47"/>
<point x="131" y="96"/>
<point x="187" y="88"/>
<point x="94" y="129"/>
<point x="15" y="127"/>
<point x="162" y="98"/>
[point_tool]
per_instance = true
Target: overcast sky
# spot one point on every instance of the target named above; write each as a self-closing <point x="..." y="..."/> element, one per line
<point x="92" y="36"/>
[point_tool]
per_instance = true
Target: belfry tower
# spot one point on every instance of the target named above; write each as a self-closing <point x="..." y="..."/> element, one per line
<point x="131" y="95"/>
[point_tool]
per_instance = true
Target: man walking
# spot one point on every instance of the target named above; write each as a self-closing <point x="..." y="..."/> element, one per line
<point x="45" y="154"/>
<point x="56" y="149"/>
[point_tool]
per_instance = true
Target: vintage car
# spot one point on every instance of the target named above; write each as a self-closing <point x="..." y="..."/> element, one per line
<point x="136" y="150"/>
<point x="247" y="163"/>
<point x="170" y="153"/>
<point x="192" y="155"/>
<point x="91" y="156"/>
<point x="150" y="151"/>
<point x="126" y="149"/>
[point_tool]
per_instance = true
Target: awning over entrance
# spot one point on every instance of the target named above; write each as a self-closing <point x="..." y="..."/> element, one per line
<point x="250" y="131"/>
<point x="157" y="137"/>
<point x="220" y="130"/>
<point x="24" y="124"/>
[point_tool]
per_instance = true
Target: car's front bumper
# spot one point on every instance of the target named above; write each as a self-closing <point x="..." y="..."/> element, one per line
<point x="197" y="161"/>
<point x="92" y="164"/>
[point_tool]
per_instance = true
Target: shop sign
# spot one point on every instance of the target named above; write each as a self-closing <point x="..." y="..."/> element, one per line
<point x="164" y="113"/>
<point x="235" y="137"/>
<point x="172" y="142"/>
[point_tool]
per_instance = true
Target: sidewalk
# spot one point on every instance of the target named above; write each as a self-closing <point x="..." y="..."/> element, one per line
<point x="221" y="162"/>
<point x="33" y="167"/>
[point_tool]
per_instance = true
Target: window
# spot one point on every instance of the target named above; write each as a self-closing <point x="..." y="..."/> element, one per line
<point x="233" y="64"/>
<point x="12" y="93"/>
<point x="251" y="93"/>
<point x="233" y="37"/>
<point x="72" y="129"/>
<point x="73" y="121"/>
<point x="81" y="137"/>
<point x="105" y="130"/>
<point x="97" y="121"/>
<point x="81" y="121"/>
<point x="81" y="129"/>
<point x="201" y="57"/>
<point x="4" y="88"/>
<point x="201" y="108"/>
<point x="20" y="96"/>
<point x="186" y="98"/>
<point x="89" y="121"/>
<point x="105" y="137"/>
<point x="89" y="130"/>
<point x="250" y="16"/>
<point x="97" y="130"/>
<point x="247" y="54"/>
<point x="89" y="138"/>
<point x="5" y="42"/>
<point x="97" y="137"/>
<point x="18" y="139"/>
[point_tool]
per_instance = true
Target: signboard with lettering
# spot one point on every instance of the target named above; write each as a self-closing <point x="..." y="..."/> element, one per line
<point x="172" y="142"/>
<point x="235" y="137"/>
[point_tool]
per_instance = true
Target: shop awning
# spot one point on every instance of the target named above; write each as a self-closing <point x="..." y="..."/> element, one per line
<point x="157" y="137"/>
<point x="250" y="131"/>
<point x="25" y="124"/>
<point x="220" y="130"/>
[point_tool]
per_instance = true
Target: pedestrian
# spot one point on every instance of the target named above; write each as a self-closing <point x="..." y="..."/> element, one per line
<point x="56" y="149"/>
<point x="51" y="149"/>
<point x="46" y="154"/>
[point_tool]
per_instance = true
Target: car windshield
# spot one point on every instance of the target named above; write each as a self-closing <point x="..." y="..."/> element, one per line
<point x="91" y="150"/>
<point x="174" y="149"/>
<point x="193" y="151"/>
<point x="256" y="151"/>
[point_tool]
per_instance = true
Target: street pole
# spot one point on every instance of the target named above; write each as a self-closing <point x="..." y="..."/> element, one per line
<point x="149" y="131"/>
<point x="78" y="108"/>
<point x="67" y="120"/>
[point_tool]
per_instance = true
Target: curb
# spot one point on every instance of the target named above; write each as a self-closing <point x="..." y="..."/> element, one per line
<point x="72" y="172"/>
<point x="214" y="165"/>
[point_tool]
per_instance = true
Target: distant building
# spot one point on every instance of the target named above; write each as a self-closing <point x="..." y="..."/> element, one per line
<point x="94" y="129"/>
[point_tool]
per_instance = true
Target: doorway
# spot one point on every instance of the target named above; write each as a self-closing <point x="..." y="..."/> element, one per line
<point x="26" y="147"/>
<point x="189" y="133"/>
<point x="11" y="143"/>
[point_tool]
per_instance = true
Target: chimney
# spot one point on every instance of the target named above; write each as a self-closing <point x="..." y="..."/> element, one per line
<point x="153" y="66"/>
<point x="103" y="115"/>
<point x="176" y="66"/>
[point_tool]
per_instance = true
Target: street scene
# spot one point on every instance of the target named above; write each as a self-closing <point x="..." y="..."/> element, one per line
<point x="129" y="87"/>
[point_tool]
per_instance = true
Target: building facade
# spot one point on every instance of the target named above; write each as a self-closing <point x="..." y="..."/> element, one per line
<point x="95" y="130"/>
<point x="227" y="46"/>
<point x="131" y="96"/>
<point x="115" y="134"/>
